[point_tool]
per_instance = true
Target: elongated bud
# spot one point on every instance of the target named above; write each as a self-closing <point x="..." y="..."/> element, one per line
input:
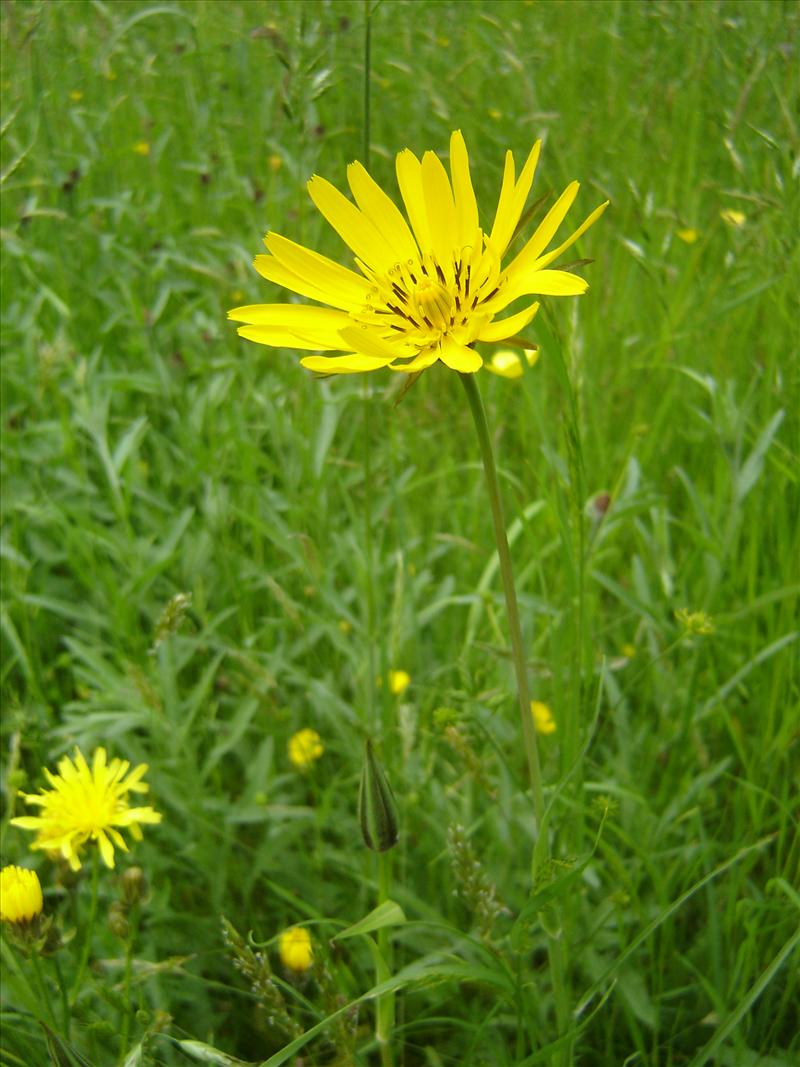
<point x="377" y="810"/>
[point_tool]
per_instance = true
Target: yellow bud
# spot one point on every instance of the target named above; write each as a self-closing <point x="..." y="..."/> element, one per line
<point x="294" y="946"/>
<point x="20" y="895"/>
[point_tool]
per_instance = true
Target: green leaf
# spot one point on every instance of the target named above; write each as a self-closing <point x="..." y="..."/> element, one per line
<point x="387" y="914"/>
<point x="199" y="1050"/>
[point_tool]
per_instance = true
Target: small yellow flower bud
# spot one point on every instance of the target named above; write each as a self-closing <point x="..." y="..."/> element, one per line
<point x="399" y="681"/>
<point x="20" y="895"/>
<point x="294" y="946"/>
<point x="542" y="718"/>
<point x="305" y="747"/>
<point x="733" y="217"/>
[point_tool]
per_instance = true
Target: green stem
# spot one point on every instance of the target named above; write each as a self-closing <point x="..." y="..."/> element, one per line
<point x="125" y="1029"/>
<point x="556" y="948"/>
<point x="44" y="993"/>
<point x="62" y="989"/>
<point x="368" y="541"/>
<point x="384" y="1012"/>
<point x="507" y="574"/>
<point x="367" y="73"/>
<point x="87" y="935"/>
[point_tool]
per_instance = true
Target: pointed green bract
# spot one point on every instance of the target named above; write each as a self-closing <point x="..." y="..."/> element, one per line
<point x="377" y="809"/>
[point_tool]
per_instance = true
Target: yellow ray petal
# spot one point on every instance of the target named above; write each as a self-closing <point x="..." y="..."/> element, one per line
<point x="352" y="225"/>
<point x="426" y="358"/>
<point x="538" y="283"/>
<point x="504" y="201"/>
<point x="290" y="316"/>
<point x="317" y="269"/>
<point x="506" y="223"/>
<point x="459" y="357"/>
<point x="543" y="261"/>
<point x="500" y="328"/>
<point x="463" y="193"/>
<point x="369" y="343"/>
<point x="276" y="337"/>
<point x="352" y="363"/>
<point x="383" y="213"/>
<point x="269" y="267"/>
<point x="545" y="231"/>
<point x="409" y="178"/>
<point x="440" y="208"/>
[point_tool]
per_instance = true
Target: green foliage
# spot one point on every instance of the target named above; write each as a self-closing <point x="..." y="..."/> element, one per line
<point x="187" y="573"/>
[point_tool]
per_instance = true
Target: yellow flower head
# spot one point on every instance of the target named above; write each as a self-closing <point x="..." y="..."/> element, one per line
<point x="688" y="236"/>
<point x="20" y="895"/>
<point x="294" y="946"/>
<point x="542" y="718"/>
<point x="88" y="804"/>
<point x="423" y="292"/>
<point x="142" y="148"/>
<point x="506" y="363"/>
<point x="304" y="748"/>
<point x="733" y="217"/>
<point x="399" y="681"/>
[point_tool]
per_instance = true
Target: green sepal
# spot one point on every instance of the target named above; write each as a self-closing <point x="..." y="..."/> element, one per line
<point x="377" y="809"/>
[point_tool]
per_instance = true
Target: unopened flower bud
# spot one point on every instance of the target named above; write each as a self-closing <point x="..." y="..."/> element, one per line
<point x="133" y="886"/>
<point x="377" y="810"/>
<point x="118" y="920"/>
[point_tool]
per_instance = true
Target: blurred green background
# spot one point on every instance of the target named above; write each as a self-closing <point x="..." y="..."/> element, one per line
<point x="148" y="451"/>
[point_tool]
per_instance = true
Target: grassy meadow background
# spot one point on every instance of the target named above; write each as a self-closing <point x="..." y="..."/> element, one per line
<point x="148" y="451"/>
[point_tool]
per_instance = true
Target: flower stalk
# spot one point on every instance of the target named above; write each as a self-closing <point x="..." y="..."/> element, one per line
<point x="556" y="948"/>
<point x="507" y="575"/>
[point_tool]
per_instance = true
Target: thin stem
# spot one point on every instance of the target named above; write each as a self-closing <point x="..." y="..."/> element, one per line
<point x="44" y="992"/>
<point x="125" y="1029"/>
<point x="87" y="936"/>
<point x="556" y="948"/>
<point x="507" y="574"/>
<point x="367" y="75"/>
<point x="384" y="1012"/>
<point x="62" y="989"/>
<point x="368" y="541"/>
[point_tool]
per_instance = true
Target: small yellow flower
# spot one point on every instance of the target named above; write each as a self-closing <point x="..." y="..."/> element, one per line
<point x="76" y="96"/>
<point x="142" y="148"/>
<point x="688" y="236"/>
<point x="88" y="804"/>
<point x="275" y="163"/>
<point x="542" y="718"/>
<point x="426" y="290"/>
<point x="733" y="217"/>
<point x="399" y="681"/>
<point x="20" y="895"/>
<point x="506" y="364"/>
<point x="629" y="651"/>
<point x="304" y="748"/>
<point x="345" y="626"/>
<point x="294" y="946"/>
<point x="695" y="622"/>
<point x="493" y="113"/>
